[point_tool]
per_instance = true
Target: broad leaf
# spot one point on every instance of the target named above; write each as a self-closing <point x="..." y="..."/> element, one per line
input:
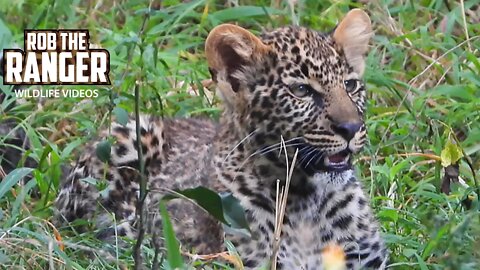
<point x="121" y="115"/>
<point x="234" y="212"/>
<point x="103" y="150"/>
<point x="205" y="198"/>
<point x="451" y="153"/>
<point x="225" y="207"/>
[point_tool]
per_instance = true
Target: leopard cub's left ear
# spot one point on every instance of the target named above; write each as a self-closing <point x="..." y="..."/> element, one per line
<point x="353" y="34"/>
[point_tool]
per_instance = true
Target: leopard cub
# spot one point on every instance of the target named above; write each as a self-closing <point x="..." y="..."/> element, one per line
<point x="292" y="83"/>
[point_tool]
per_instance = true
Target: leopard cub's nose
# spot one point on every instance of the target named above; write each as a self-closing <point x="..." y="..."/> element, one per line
<point x="347" y="130"/>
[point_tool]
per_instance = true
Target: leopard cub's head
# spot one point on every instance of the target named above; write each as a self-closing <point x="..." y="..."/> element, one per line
<point x="298" y="83"/>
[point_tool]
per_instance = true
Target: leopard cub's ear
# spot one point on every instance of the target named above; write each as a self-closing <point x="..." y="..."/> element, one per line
<point x="229" y="50"/>
<point x="353" y="34"/>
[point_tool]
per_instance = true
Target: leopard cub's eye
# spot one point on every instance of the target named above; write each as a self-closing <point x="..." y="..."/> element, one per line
<point x="301" y="90"/>
<point x="351" y="85"/>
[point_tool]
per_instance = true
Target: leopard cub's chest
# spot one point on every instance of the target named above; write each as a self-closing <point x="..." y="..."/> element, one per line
<point x="335" y="215"/>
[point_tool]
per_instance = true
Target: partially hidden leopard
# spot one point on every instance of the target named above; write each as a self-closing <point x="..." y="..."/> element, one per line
<point x="292" y="84"/>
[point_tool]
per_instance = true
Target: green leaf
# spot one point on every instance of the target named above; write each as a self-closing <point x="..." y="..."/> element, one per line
<point x="459" y="91"/>
<point x="67" y="151"/>
<point x="205" y="198"/>
<point x="90" y="180"/>
<point x="434" y="242"/>
<point x="5" y="35"/>
<point x="389" y="214"/>
<point x="174" y="256"/>
<point x="240" y="12"/>
<point x="421" y="263"/>
<point x="233" y="211"/>
<point x="409" y="252"/>
<point x="121" y="115"/>
<point x="225" y="207"/>
<point x="42" y="183"/>
<point x="451" y="153"/>
<point x="103" y="151"/>
<point x="473" y="59"/>
<point x="395" y="169"/>
<point x="12" y="179"/>
<point x="19" y="200"/>
<point x="4" y="258"/>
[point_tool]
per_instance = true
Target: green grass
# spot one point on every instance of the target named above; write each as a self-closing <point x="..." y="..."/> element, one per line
<point x="423" y="78"/>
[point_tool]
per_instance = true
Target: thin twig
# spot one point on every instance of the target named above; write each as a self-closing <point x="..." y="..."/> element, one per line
<point x="137" y="255"/>
<point x="462" y="6"/>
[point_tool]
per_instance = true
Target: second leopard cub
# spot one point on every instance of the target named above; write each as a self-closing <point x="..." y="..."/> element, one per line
<point x="294" y="83"/>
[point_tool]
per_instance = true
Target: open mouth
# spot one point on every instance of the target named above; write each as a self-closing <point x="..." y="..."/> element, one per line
<point x="313" y="160"/>
<point x="320" y="162"/>
<point x="338" y="162"/>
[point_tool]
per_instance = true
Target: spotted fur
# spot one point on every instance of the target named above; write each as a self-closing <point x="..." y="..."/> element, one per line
<point x="292" y="83"/>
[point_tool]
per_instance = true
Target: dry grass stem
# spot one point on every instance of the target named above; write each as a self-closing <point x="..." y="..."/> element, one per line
<point x="281" y="204"/>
